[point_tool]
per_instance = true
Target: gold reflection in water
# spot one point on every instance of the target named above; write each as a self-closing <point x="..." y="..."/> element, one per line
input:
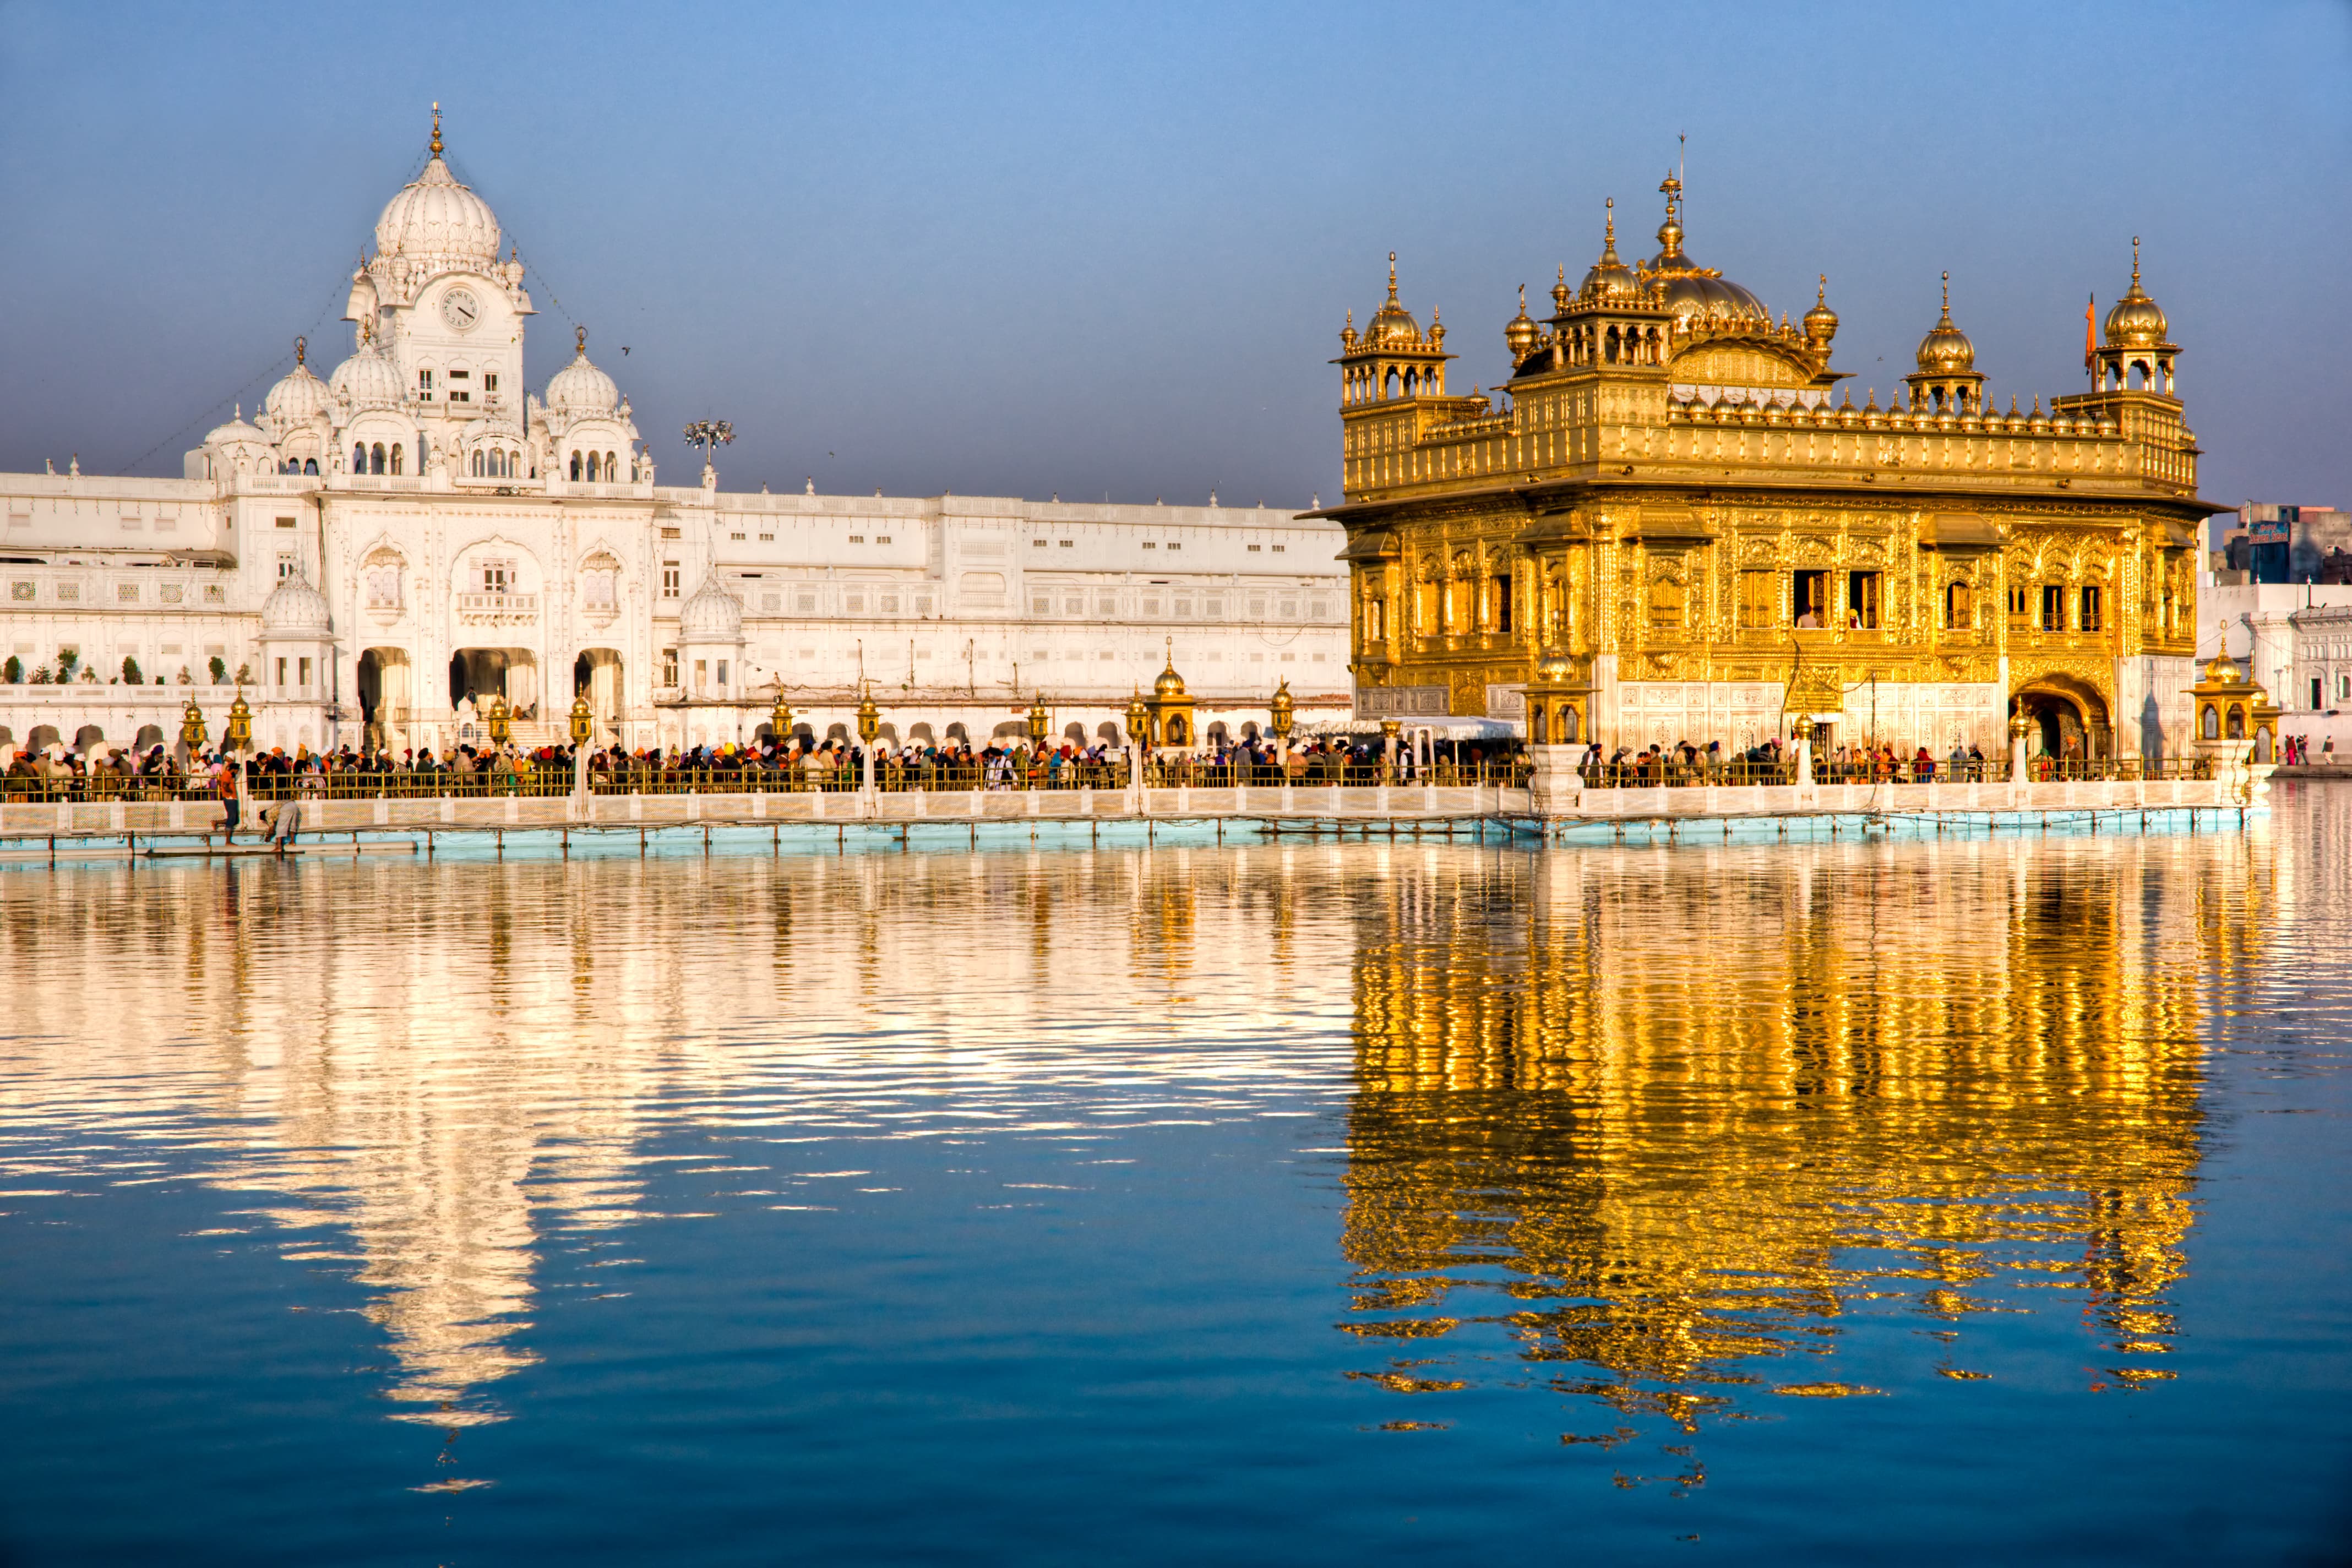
<point x="1669" y="1118"/>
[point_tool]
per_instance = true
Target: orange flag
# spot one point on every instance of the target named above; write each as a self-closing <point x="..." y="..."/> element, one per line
<point x="2090" y="343"/>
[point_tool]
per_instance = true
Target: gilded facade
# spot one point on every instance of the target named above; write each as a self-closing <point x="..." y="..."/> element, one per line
<point x="1673" y="491"/>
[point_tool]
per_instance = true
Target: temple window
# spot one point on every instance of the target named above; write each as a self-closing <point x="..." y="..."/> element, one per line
<point x="1811" y="599"/>
<point x="1501" y="601"/>
<point x="375" y="458"/>
<point x="2090" y="616"/>
<point x="2054" y="608"/>
<point x="1862" y="601"/>
<point x="1759" y="599"/>
<point x="395" y="456"/>
<point x="1957" y="614"/>
<point x="480" y="468"/>
<point x="359" y="459"/>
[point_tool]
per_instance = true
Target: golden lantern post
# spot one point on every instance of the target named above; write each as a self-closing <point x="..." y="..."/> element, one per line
<point x="238" y="736"/>
<point x="584" y="728"/>
<point x="780" y="718"/>
<point x="501" y="723"/>
<point x="1138" y="743"/>
<point x="869" y="726"/>
<point x="192" y="729"/>
<point x="1280" y="717"/>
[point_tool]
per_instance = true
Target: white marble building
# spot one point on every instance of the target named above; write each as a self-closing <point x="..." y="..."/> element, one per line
<point x="373" y="548"/>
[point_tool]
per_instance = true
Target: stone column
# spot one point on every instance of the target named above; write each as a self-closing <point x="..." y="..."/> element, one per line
<point x="1553" y="786"/>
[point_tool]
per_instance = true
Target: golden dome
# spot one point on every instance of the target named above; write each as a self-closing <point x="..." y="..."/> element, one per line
<point x="1610" y="281"/>
<point x="1393" y="323"/>
<point x="1169" y="683"/>
<point x="1947" y="350"/>
<point x="1693" y="292"/>
<point x="1554" y="668"/>
<point x="2135" y="321"/>
<point x="1521" y="333"/>
<point x="1820" y="321"/>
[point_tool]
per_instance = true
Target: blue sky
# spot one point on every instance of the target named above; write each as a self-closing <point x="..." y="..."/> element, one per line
<point x="1102" y="249"/>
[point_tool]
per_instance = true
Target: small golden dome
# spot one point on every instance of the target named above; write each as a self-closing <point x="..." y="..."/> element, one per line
<point x="1610" y="281"/>
<point x="1820" y="321"/>
<point x="1554" y="668"/>
<point x="1169" y="683"/>
<point x="2135" y="321"/>
<point x="1521" y="333"/>
<point x="1392" y="323"/>
<point x="1947" y="350"/>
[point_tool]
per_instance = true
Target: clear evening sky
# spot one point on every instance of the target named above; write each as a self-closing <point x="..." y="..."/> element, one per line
<point x="1101" y="249"/>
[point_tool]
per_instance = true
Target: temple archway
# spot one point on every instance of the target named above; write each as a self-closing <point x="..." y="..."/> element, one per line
<point x="482" y="673"/>
<point x="2064" y="711"/>
<point x="385" y="693"/>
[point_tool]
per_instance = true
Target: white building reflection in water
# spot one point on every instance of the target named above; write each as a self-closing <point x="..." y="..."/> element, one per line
<point x="460" y="1064"/>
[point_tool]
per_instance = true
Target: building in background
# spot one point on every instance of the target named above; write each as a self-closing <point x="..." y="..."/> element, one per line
<point x="383" y="553"/>
<point x="1672" y="492"/>
<point x="2267" y="542"/>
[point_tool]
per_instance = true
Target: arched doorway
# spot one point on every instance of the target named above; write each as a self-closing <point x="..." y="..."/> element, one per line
<point x="597" y="675"/>
<point x="2069" y="716"/>
<point x="385" y="697"/>
<point x="482" y="673"/>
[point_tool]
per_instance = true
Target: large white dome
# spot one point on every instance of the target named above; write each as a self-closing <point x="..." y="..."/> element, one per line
<point x="366" y="380"/>
<point x="437" y="218"/>
<point x="579" y="387"/>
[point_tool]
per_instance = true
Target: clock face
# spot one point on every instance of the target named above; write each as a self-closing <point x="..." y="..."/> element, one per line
<point x="461" y="310"/>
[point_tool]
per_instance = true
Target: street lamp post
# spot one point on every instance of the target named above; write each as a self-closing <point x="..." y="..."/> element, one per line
<point x="709" y="435"/>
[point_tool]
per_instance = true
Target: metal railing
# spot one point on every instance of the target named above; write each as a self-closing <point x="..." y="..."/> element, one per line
<point x="892" y="775"/>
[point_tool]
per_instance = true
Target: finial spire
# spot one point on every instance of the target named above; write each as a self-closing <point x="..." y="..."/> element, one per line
<point x="1523" y="299"/>
<point x="1947" y="318"/>
<point x="580" y="337"/>
<point x="1609" y="230"/>
<point x="2135" y="261"/>
<point x="300" y="348"/>
<point x="437" y="129"/>
<point x="1821" y="293"/>
<point x="1392" y="298"/>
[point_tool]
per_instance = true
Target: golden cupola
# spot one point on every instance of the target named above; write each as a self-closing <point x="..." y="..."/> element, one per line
<point x="1820" y="321"/>
<point x="2139" y="354"/>
<point x="1946" y="381"/>
<point x="1610" y="281"/>
<point x="1392" y="357"/>
<point x="1522" y="334"/>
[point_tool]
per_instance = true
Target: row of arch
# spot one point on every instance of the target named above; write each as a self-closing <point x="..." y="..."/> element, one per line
<point x="493" y="463"/>
<point x="1376" y="383"/>
<point x="1589" y="343"/>
<point x="591" y="466"/>
<point x="367" y="460"/>
<point x="43" y="736"/>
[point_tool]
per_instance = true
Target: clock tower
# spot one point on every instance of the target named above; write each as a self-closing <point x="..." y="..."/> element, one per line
<point x="446" y="310"/>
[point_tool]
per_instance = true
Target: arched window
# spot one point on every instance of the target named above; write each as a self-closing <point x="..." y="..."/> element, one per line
<point x="612" y="470"/>
<point x="395" y="456"/>
<point x="2211" y="723"/>
<point x="2237" y="722"/>
<point x="1389" y="386"/>
<point x="359" y="459"/>
<point x="310" y="464"/>
<point x="594" y="472"/>
<point x="1955" y="608"/>
<point x="479" y="469"/>
<point x="575" y="465"/>
<point x="375" y="458"/>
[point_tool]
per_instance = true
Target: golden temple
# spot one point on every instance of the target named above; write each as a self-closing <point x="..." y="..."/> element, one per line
<point x="1672" y="494"/>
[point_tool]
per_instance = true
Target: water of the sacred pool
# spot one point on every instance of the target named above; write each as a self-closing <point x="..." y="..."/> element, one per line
<point x="1936" y="1199"/>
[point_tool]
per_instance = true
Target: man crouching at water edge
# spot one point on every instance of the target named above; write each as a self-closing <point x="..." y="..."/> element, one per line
<point x="281" y="818"/>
